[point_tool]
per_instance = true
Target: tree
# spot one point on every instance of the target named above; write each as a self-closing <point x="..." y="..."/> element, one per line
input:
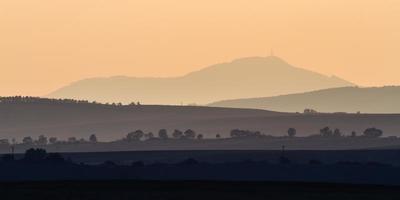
<point x="291" y="132"/>
<point x="135" y="136"/>
<point x="337" y="133"/>
<point x="72" y="140"/>
<point x="42" y="140"/>
<point x="309" y="111"/>
<point x="53" y="140"/>
<point x="353" y="134"/>
<point x="373" y="132"/>
<point x="244" y="133"/>
<point x="35" y="155"/>
<point x="326" y="132"/>
<point x="177" y="134"/>
<point x="189" y="134"/>
<point x="82" y="140"/>
<point x="218" y="136"/>
<point x="162" y="134"/>
<point x="93" y="138"/>
<point x="27" y="140"/>
<point x="200" y="136"/>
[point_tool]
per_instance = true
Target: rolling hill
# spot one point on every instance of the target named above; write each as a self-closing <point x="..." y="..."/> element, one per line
<point x="242" y="78"/>
<point x="346" y="99"/>
<point x="65" y="118"/>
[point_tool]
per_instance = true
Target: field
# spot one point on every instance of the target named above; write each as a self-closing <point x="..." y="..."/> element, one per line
<point x="98" y="190"/>
<point x="65" y="119"/>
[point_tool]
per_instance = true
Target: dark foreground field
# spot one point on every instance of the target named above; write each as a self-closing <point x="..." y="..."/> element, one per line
<point x="115" y="190"/>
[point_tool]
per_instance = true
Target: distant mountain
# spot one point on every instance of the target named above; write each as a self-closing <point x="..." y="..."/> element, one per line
<point x="346" y="99"/>
<point x="242" y="78"/>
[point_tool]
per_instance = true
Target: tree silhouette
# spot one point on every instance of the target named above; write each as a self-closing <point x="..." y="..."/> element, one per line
<point x="309" y="111"/>
<point x="291" y="132"/>
<point x="353" y="134"/>
<point x="135" y="136"/>
<point x="42" y="140"/>
<point x="93" y="138"/>
<point x="53" y="140"/>
<point x="326" y="132"/>
<point x="162" y="134"/>
<point x="189" y="134"/>
<point x="373" y="132"/>
<point x="177" y="134"/>
<point x="72" y="140"/>
<point x="200" y="136"/>
<point x="35" y="155"/>
<point x="337" y="133"/>
<point x="244" y="133"/>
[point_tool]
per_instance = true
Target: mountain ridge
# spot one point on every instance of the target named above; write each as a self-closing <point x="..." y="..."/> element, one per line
<point x="240" y="78"/>
<point x="345" y="99"/>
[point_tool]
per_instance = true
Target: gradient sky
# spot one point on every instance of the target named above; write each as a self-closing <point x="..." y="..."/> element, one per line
<point x="49" y="43"/>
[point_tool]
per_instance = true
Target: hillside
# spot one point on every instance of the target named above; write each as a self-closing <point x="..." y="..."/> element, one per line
<point x="62" y="118"/>
<point x="346" y="99"/>
<point x="242" y="78"/>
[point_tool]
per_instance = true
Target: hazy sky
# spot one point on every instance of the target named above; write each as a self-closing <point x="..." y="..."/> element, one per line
<point x="48" y="43"/>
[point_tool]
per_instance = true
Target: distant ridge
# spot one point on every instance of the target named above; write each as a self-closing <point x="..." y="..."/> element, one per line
<point x="28" y="116"/>
<point x="346" y="99"/>
<point x="242" y="78"/>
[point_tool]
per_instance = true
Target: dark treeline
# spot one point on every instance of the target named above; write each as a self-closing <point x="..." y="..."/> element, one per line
<point x="40" y="100"/>
<point x="189" y="134"/>
<point x="37" y="164"/>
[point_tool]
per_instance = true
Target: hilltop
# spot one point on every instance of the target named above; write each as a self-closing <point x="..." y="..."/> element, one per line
<point x="22" y="117"/>
<point x="242" y="78"/>
<point x="346" y="99"/>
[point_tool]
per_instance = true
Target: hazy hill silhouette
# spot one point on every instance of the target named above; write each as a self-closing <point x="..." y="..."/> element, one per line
<point x="109" y="122"/>
<point x="346" y="99"/>
<point x="242" y="78"/>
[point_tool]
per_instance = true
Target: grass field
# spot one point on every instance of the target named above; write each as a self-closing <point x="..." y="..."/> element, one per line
<point x="99" y="190"/>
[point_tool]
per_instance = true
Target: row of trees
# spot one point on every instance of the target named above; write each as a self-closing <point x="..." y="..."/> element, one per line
<point x="38" y="100"/>
<point x="190" y="134"/>
<point x="43" y="140"/>
<point x="324" y="132"/>
<point x="369" y="132"/>
<point x="162" y="134"/>
<point x="328" y="132"/>
<point x="36" y="156"/>
<point x="237" y="133"/>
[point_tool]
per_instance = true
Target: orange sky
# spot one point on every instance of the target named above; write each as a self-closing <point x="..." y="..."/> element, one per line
<point x="49" y="43"/>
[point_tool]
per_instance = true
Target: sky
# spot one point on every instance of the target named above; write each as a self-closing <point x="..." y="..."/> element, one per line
<point x="47" y="44"/>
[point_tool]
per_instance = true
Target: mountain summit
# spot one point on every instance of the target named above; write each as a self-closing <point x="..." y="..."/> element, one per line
<point x="242" y="78"/>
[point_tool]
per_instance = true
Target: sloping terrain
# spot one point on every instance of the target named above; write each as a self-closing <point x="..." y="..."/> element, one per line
<point x="64" y="119"/>
<point x="346" y="99"/>
<point x="242" y="78"/>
